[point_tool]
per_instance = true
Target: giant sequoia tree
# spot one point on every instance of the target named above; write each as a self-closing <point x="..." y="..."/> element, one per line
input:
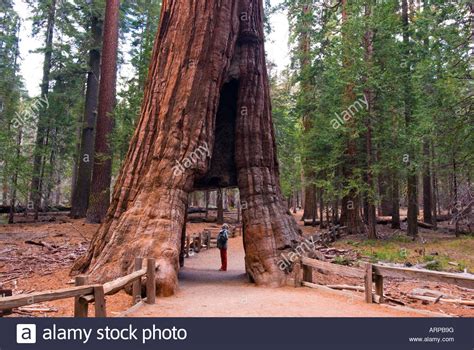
<point x="207" y="86"/>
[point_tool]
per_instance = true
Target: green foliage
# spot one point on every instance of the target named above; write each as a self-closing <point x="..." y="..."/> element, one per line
<point x="12" y="99"/>
<point x="334" y="72"/>
<point x="287" y="133"/>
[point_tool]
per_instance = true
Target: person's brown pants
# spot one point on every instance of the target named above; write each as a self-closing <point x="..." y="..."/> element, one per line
<point x="223" y="259"/>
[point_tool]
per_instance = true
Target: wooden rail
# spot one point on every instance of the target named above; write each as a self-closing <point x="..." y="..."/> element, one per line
<point x="207" y="239"/>
<point x="85" y="293"/>
<point x="374" y="273"/>
<point x="427" y="275"/>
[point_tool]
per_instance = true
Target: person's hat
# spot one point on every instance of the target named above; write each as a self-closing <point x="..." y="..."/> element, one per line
<point x="225" y="226"/>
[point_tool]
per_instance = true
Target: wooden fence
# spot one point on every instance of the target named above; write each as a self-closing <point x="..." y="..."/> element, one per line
<point x="84" y="293"/>
<point x="374" y="273"/>
<point x="207" y="239"/>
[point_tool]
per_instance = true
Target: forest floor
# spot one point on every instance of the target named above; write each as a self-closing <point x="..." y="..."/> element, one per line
<point x="26" y="267"/>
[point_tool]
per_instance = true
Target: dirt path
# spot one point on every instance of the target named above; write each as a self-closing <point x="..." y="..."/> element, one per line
<point x="206" y="292"/>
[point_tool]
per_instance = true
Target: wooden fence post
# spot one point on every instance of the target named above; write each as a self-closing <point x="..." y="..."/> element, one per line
<point x="187" y="246"/>
<point x="379" y="287"/>
<point x="99" y="300"/>
<point x="307" y="273"/>
<point x="297" y="271"/>
<point x="150" y="281"/>
<point x="137" y="284"/>
<point x="208" y="239"/>
<point x="368" y="283"/>
<point x="81" y="307"/>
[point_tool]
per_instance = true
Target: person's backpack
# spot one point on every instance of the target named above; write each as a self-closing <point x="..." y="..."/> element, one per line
<point x="222" y="238"/>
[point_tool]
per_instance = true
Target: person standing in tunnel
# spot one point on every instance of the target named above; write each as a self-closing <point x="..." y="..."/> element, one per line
<point x="222" y="238"/>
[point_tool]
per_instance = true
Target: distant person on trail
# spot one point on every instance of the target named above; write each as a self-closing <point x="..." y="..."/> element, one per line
<point x="222" y="238"/>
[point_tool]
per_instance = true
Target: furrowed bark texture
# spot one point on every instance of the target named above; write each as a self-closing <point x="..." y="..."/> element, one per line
<point x="208" y="57"/>
<point x="80" y="198"/>
<point x="99" y="198"/>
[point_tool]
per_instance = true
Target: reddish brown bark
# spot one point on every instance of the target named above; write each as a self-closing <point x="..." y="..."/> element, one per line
<point x="310" y="207"/>
<point x="99" y="198"/>
<point x="208" y="56"/>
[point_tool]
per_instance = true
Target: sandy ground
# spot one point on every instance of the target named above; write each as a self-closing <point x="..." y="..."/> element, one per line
<point x="206" y="292"/>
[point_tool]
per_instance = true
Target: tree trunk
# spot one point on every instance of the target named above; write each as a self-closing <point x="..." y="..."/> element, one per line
<point x="310" y="205"/>
<point x="102" y="169"/>
<point x="220" y="207"/>
<point x="310" y="210"/>
<point x="208" y="57"/>
<point x="238" y="211"/>
<point x="369" y="95"/>
<point x="455" y="180"/>
<point x="335" y="211"/>
<point x="434" y="188"/>
<point x="11" y="215"/>
<point x="314" y="214"/>
<point x="38" y="159"/>
<point x="385" y="194"/>
<point x="295" y="200"/>
<point x="225" y="202"/>
<point x="395" y="176"/>
<point x="427" y="192"/>
<point x="395" y="202"/>
<point x="80" y="197"/>
<point x="350" y="206"/>
<point x="412" y="179"/>
<point x="321" y="209"/>
<point x="5" y="183"/>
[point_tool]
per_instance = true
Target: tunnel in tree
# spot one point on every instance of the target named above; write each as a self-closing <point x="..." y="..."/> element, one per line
<point x="207" y="85"/>
<point x="222" y="170"/>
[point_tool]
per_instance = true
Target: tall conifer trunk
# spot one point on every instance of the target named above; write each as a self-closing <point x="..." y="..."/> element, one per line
<point x="350" y="206"/>
<point x="412" y="178"/>
<point x="80" y="197"/>
<point x="42" y="127"/>
<point x="427" y="192"/>
<point x="99" y="198"/>
<point x="369" y="96"/>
